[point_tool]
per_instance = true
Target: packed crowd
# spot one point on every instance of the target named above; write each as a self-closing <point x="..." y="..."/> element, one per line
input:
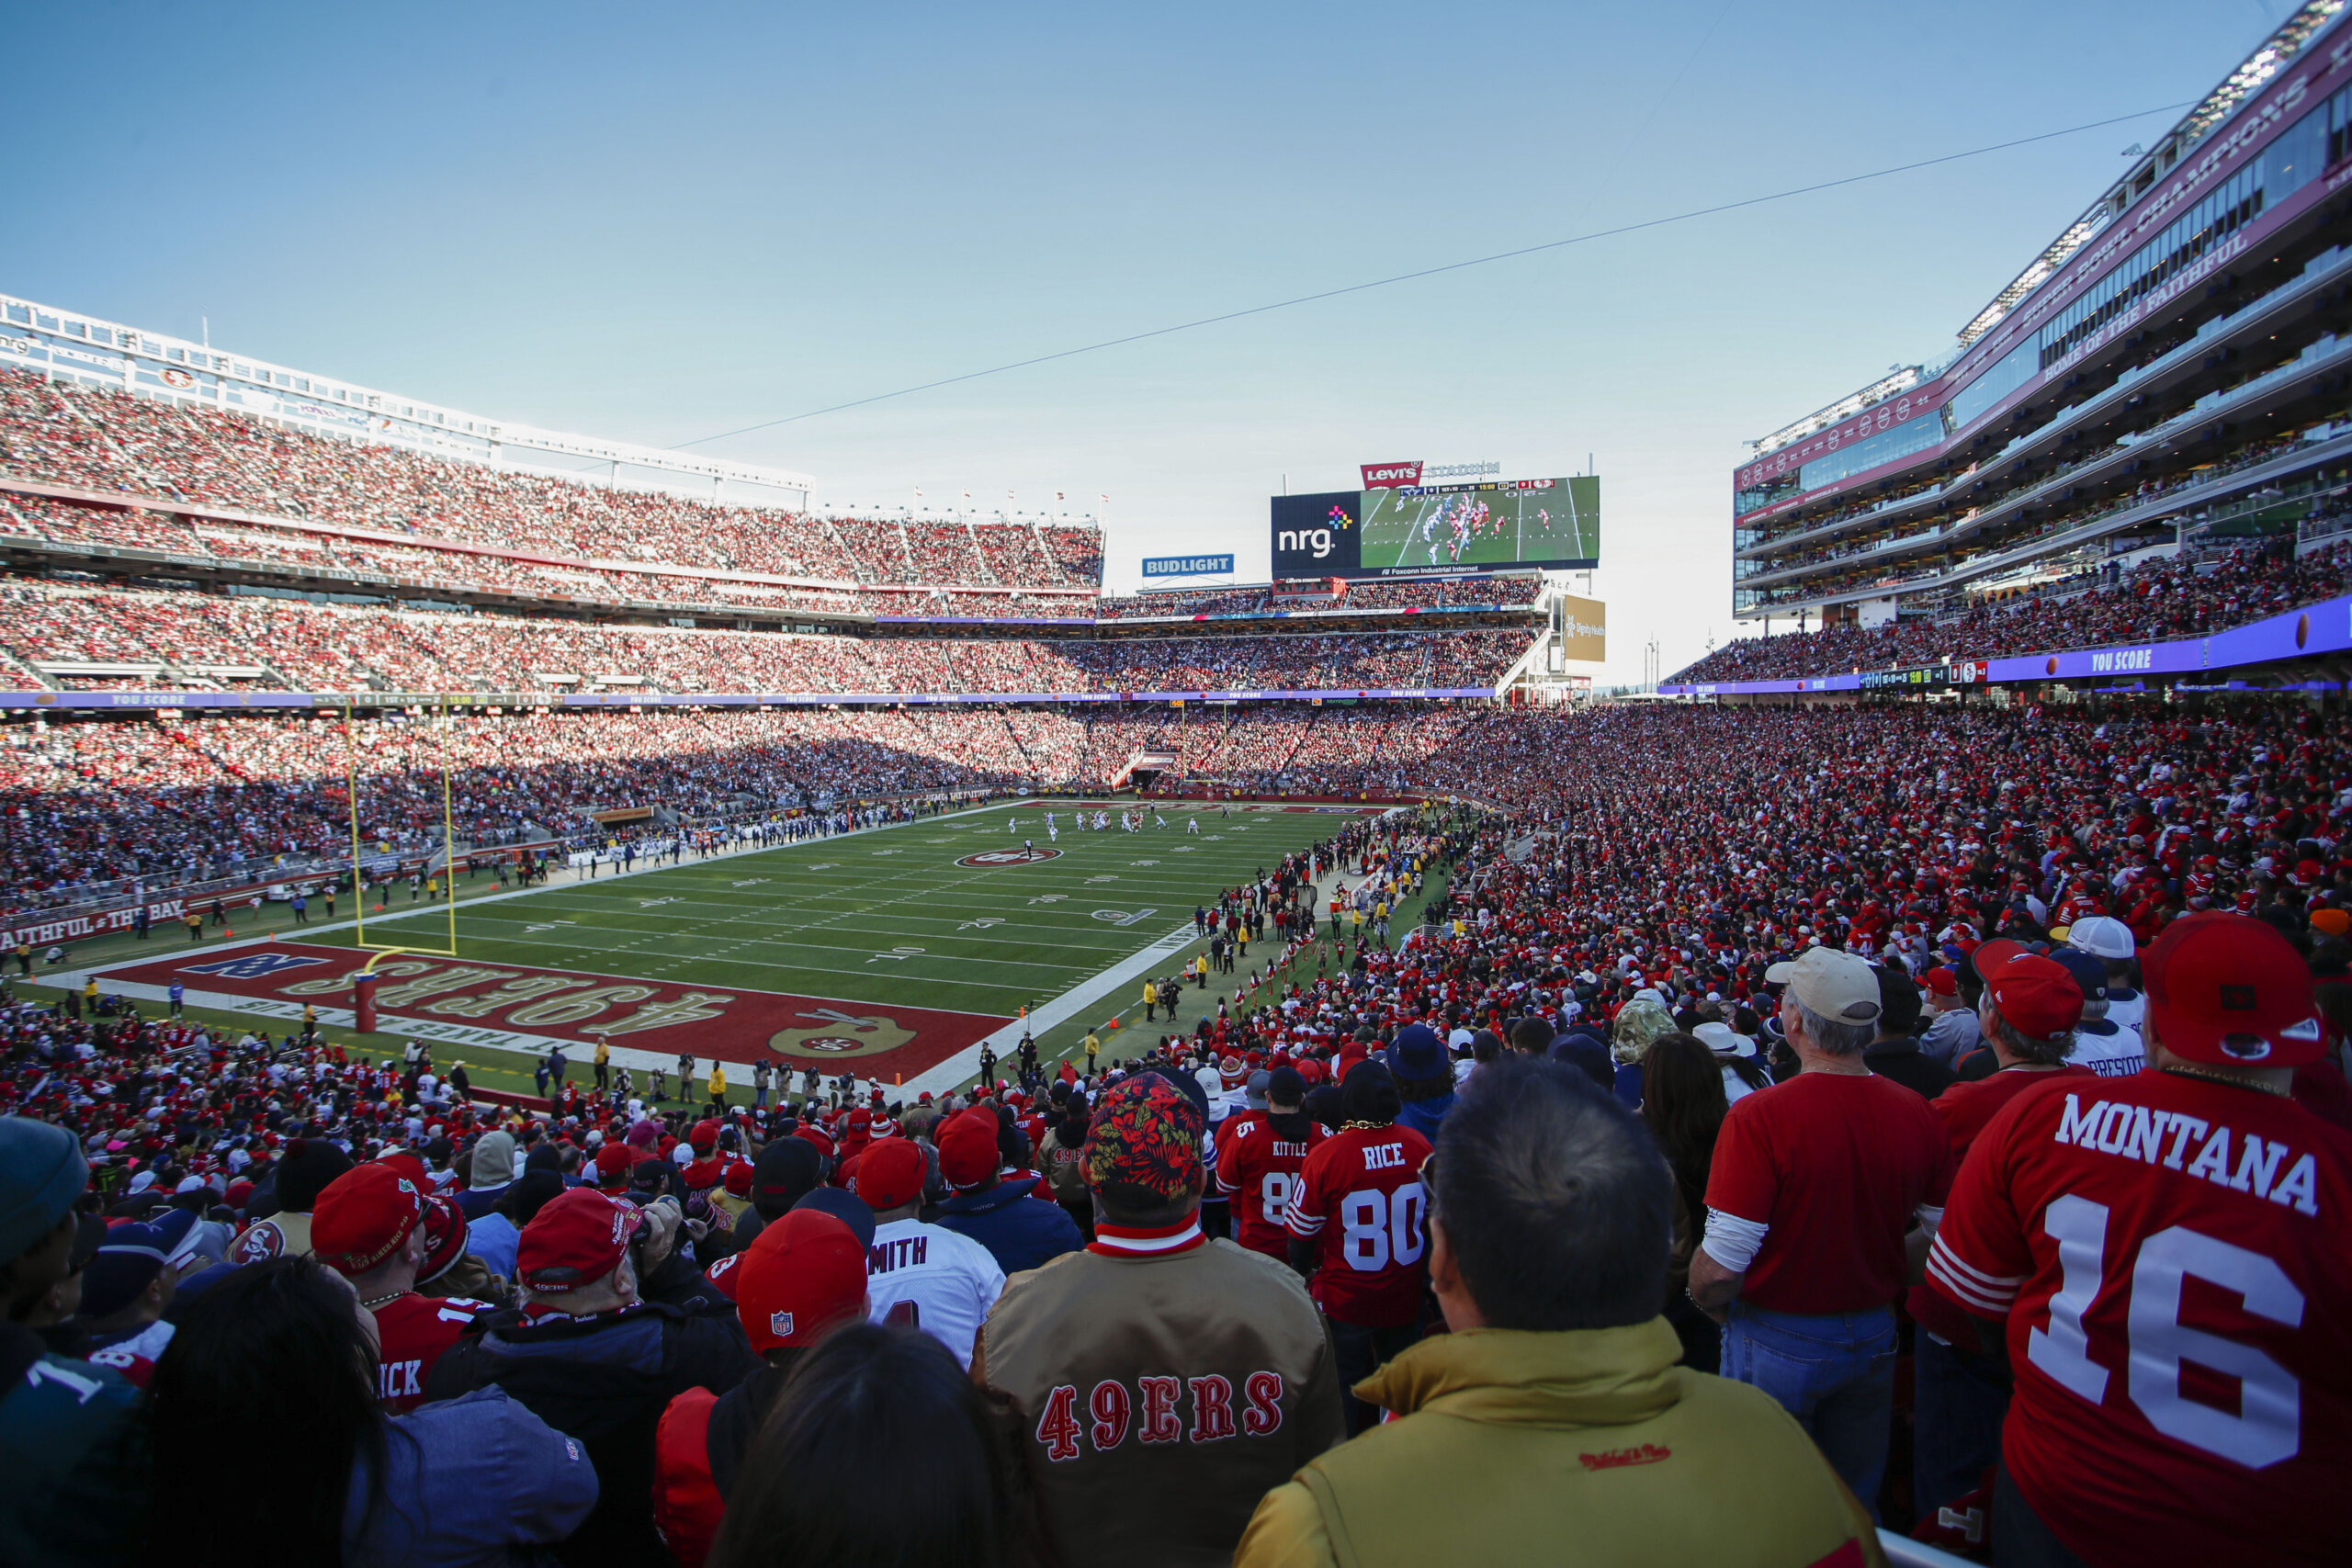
<point x="2161" y="597"/>
<point x="139" y="446"/>
<point x="1480" y="593"/>
<point x="105" y="804"/>
<point x="1736" y="1057"/>
<point x="202" y="639"/>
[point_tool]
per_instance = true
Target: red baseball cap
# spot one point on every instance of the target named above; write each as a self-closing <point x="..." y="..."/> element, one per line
<point x="704" y="1136"/>
<point x="613" y="1163"/>
<point x="739" y="1179"/>
<point x="2226" y="989"/>
<point x="1942" y="981"/>
<point x="800" y="1276"/>
<point x="2035" y="995"/>
<point x="445" y="1237"/>
<point x="889" y="1174"/>
<point x="363" y="1216"/>
<point x="577" y="1239"/>
<point x="1986" y="954"/>
<point x="968" y="1149"/>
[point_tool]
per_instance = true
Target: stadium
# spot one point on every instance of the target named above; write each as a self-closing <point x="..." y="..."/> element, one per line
<point x="577" y="1004"/>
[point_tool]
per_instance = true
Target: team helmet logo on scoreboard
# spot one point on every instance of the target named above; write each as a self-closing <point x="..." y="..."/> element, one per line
<point x="1009" y="857"/>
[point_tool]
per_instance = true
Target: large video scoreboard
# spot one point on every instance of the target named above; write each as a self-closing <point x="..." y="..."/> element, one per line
<point x="1439" y="530"/>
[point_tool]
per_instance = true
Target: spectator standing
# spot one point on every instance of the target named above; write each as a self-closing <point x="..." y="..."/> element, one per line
<point x="802" y="1278"/>
<point x="277" y="1359"/>
<point x="309" y="1165"/>
<point x="1163" y="1381"/>
<point x="1356" y="1222"/>
<point x="880" y="1451"/>
<point x="2111" y="941"/>
<point x="1551" y="1424"/>
<point x="1683" y="1105"/>
<point x="1961" y="1392"/>
<point x="73" y="1457"/>
<point x="1001" y="1212"/>
<point x="494" y="1170"/>
<point x="613" y="1325"/>
<point x="921" y="1276"/>
<point x="1424" y="1077"/>
<point x="1813" y="1186"/>
<point x="2104" y="1046"/>
<point x="1895" y="1053"/>
<point x="369" y="1227"/>
<point x="1259" y="1159"/>
<point x="1951" y="1030"/>
<point x="2163" y="1260"/>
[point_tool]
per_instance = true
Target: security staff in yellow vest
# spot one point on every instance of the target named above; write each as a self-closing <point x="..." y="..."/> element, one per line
<point x="1163" y="1380"/>
<point x="1552" y="1425"/>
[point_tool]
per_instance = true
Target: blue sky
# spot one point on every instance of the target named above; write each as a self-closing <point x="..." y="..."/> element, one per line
<point x="658" y="222"/>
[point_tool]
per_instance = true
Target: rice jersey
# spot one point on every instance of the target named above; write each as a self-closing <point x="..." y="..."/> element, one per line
<point x="1258" y="1170"/>
<point x="2171" y="1258"/>
<point x="1360" y="1192"/>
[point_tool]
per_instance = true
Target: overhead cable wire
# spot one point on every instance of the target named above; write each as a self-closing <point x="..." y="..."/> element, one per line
<point x="1437" y="271"/>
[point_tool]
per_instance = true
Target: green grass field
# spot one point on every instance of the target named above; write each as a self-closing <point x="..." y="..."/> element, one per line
<point x="1559" y="524"/>
<point x="877" y="926"/>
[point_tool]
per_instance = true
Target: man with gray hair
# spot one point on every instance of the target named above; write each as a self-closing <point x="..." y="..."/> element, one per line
<point x="1552" y="1424"/>
<point x="1815" y="1184"/>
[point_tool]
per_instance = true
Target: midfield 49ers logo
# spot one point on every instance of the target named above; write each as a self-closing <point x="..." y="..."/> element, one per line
<point x="1009" y="857"/>
<point x="840" y="1034"/>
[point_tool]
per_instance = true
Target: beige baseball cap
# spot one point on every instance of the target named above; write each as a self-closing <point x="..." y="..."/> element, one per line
<point x="1841" y="987"/>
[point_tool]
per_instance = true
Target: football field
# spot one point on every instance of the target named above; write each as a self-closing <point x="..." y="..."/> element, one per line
<point x="891" y="954"/>
<point x="1558" y="523"/>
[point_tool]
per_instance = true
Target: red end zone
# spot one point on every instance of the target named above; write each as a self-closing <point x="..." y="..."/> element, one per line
<point x="517" y="1007"/>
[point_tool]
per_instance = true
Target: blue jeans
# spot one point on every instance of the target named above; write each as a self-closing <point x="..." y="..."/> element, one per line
<point x="1960" y="1399"/>
<point x="1835" y="1373"/>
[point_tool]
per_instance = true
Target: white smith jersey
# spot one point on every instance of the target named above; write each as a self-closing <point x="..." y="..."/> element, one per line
<point x="932" y="1279"/>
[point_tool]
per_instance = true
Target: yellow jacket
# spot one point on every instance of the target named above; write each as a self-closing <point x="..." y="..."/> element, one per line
<point x="1587" y="1448"/>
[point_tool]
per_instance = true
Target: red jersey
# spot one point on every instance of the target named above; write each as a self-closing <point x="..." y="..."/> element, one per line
<point x="413" y="1331"/>
<point x="1835" y="1163"/>
<point x="2171" y="1258"/>
<point x="1259" y="1171"/>
<point x="1360" y="1192"/>
<point x="1966" y="1110"/>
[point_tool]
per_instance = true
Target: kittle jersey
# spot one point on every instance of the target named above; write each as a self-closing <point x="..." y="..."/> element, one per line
<point x="1361" y="1192"/>
<point x="2172" y="1259"/>
<point x="413" y="1331"/>
<point x="930" y="1277"/>
<point x="1259" y="1171"/>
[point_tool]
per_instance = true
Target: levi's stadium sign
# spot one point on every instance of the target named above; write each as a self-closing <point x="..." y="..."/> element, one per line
<point x="1390" y="476"/>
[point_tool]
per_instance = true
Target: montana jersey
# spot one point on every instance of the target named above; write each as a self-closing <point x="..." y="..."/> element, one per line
<point x="1361" y="1192"/>
<point x="413" y="1331"/>
<point x="1258" y="1171"/>
<point x="2171" y="1256"/>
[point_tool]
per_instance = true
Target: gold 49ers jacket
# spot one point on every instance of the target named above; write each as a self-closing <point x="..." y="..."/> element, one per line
<point x="1164" y="1382"/>
<point x="1587" y="1448"/>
